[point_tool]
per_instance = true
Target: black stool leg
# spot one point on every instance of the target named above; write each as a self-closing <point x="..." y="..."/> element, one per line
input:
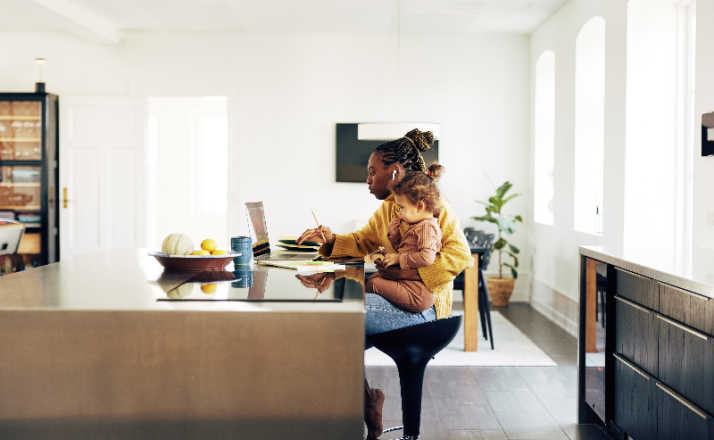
<point x="487" y="305"/>
<point x="482" y="312"/>
<point x="411" y="379"/>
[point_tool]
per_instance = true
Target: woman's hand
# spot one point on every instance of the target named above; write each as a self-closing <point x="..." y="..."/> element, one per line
<point x="321" y="281"/>
<point x="321" y="234"/>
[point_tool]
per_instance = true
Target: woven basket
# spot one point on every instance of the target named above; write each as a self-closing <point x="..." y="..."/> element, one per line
<point x="500" y="290"/>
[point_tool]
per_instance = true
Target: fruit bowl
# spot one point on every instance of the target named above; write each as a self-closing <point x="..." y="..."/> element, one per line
<point x="194" y="263"/>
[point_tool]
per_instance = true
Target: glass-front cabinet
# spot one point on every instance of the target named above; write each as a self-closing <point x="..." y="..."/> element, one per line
<point x="29" y="173"/>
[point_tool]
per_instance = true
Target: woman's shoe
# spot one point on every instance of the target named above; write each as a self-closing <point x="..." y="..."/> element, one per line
<point x="373" y="412"/>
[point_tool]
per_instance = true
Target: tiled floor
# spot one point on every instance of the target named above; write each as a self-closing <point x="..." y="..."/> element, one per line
<point x="499" y="402"/>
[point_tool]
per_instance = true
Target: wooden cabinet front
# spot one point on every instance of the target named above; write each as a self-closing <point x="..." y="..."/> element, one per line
<point x="687" y="307"/>
<point x="639" y="289"/>
<point x="635" y="410"/>
<point x="686" y="362"/>
<point x="677" y="418"/>
<point x="636" y="334"/>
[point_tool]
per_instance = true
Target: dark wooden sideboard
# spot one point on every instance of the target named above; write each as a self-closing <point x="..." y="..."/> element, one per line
<point x="657" y="366"/>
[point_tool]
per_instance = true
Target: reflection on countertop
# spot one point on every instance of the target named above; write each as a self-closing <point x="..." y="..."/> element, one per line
<point x="132" y="280"/>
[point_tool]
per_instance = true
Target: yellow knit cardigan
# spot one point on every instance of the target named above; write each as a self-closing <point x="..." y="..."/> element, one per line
<point x="455" y="255"/>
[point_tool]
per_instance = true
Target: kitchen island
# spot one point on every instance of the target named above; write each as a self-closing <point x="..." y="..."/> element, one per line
<point x="646" y="344"/>
<point x="106" y="345"/>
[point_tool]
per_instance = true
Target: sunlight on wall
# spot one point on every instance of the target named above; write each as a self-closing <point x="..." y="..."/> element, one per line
<point x="187" y="157"/>
<point x="544" y="133"/>
<point x="589" y="125"/>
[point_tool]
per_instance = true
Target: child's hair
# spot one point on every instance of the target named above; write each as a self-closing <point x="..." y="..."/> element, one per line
<point x="417" y="186"/>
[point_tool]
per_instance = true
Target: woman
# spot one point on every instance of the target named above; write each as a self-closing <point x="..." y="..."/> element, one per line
<point x="387" y="165"/>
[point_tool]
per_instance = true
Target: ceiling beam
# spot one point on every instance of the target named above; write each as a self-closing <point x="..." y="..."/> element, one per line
<point x="85" y="21"/>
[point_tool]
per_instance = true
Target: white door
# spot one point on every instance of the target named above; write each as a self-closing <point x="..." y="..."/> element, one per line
<point x="101" y="174"/>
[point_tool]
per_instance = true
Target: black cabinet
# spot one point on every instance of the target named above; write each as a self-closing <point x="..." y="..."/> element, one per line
<point x="678" y="418"/>
<point x="686" y="362"/>
<point x="637" y="288"/>
<point x="635" y="409"/>
<point x="29" y="172"/>
<point x="636" y="334"/>
<point x="659" y="358"/>
<point x="687" y="307"/>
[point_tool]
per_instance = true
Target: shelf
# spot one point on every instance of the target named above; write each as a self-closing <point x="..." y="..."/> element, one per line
<point x="19" y="118"/>
<point x="20" y="139"/>
<point x="26" y="184"/>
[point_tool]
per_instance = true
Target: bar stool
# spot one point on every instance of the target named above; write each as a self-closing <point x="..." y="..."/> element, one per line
<point x="412" y="348"/>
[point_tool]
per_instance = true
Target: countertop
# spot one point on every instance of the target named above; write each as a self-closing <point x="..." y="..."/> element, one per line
<point x="662" y="266"/>
<point x="131" y="280"/>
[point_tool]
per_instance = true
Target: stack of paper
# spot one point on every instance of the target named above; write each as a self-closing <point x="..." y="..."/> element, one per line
<point x="304" y="265"/>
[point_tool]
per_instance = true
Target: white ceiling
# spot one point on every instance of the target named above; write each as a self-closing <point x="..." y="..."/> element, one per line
<point x="108" y="19"/>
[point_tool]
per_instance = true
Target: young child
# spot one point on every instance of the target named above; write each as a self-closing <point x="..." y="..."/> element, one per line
<point x="418" y="199"/>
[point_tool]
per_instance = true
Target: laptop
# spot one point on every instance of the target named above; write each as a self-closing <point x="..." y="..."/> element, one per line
<point x="261" y="247"/>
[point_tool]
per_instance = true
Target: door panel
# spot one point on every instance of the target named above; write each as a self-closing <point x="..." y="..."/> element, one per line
<point x="121" y="191"/>
<point x="101" y="157"/>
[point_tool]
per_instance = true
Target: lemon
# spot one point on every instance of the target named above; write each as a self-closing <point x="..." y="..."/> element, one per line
<point x="219" y="252"/>
<point x="201" y="252"/>
<point x="209" y="245"/>
<point x="208" y="288"/>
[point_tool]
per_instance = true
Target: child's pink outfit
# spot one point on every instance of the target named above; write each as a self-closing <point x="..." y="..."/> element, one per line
<point x="417" y="248"/>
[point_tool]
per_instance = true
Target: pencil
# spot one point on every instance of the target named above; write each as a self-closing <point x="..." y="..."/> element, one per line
<point x="324" y="240"/>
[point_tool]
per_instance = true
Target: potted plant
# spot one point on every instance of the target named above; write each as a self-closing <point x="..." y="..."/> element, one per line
<point x="501" y="288"/>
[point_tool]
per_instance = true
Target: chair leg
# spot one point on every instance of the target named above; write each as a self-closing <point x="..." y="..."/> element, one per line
<point x="411" y="379"/>
<point x="482" y="312"/>
<point x="487" y="306"/>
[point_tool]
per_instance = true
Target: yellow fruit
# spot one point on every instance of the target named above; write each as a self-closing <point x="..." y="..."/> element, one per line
<point x="208" y="288"/>
<point x="201" y="252"/>
<point x="209" y="245"/>
<point x="218" y="252"/>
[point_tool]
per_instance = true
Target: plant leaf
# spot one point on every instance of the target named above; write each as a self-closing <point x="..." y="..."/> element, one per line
<point x="512" y="196"/>
<point x="481" y="202"/>
<point x="486" y="218"/>
<point x="498" y="245"/>
<point x="514" y="249"/>
<point x="503" y="189"/>
<point x="496" y="203"/>
<point x="515" y="259"/>
<point x="514" y="273"/>
<point x="518" y="218"/>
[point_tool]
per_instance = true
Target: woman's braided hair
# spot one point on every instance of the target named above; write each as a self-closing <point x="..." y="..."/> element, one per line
<point x="407" y="150"/>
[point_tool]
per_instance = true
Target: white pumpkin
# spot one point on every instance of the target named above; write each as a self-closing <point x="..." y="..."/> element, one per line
<point x="177" y="244"/>
<point x="181" y="291"/>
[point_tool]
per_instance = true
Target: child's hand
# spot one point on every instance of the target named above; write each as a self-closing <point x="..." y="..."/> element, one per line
<point x="390" y="259"/>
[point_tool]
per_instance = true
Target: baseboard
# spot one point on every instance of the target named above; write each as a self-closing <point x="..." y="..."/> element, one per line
<point x="556" y="306"/>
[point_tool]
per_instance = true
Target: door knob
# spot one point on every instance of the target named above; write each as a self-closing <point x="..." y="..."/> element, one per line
<point x="65" y="200"/>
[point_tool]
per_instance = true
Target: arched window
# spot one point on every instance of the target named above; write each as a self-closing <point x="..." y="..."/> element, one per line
<point x="589" y="125"/>
<point x="544" y="136"/>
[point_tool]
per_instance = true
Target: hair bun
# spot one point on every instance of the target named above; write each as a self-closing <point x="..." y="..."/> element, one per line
<point x="422" y="139"/>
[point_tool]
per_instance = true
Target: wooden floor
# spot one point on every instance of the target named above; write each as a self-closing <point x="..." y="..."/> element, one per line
<point x="498" y="402"/>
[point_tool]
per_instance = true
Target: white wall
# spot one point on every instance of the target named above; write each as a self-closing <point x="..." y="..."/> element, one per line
<point x="555" y="262"/>
<point x="703" y="233"/>
<point x="286" y="92"/>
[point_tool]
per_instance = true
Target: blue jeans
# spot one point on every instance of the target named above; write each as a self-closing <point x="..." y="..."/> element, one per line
<point x="383" y="316"/>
